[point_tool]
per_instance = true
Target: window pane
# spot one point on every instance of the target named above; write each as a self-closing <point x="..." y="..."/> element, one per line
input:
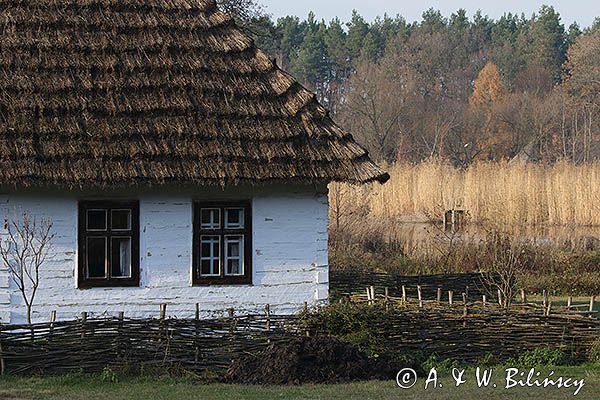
<point x="121" y="220"/>
<point x="234" y="218"/>
<point x="210" y="218"/>
<point x="210" y="255"/>
<point x="234" y="255"/>
<point x="121" y="257"/>
<point x="96" y="220"/>
<point x="96" y="257"/>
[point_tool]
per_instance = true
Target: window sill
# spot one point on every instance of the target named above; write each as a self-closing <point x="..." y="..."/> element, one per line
<point x="108" y="284"/>
<point x="242" y="281"/>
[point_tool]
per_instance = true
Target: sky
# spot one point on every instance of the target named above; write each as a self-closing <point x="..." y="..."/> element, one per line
<point x="582" y="11"/>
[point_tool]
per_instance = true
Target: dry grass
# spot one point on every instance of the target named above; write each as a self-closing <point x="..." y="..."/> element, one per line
<point x="493" y="193"/>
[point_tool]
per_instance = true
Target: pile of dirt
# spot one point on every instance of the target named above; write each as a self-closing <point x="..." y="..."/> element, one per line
<point x="309" y="360"/>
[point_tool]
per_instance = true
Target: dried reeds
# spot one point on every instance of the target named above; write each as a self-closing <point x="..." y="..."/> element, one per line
<point x="497" y="194"/>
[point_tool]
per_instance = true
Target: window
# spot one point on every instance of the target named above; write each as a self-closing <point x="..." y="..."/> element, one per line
<point x="222" y="244"/>
<point x="108" y="244"/>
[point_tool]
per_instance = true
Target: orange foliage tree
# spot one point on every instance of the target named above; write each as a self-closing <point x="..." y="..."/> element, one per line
<point x="488" y="93"/>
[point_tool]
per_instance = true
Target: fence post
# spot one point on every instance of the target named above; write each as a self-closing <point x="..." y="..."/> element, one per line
<point x="464" y="298"/>
<point x="499" y="297"/>
<point x="467" y="291"/>
<point x="545" y="295"/>
<point x="592" y="304"/>
<point x="404" y="299"/>
<point x="569" y="301"/>
<point x="230" y="312"/>
<point x="484" y="299"/>
<point x="372" y="288"/>
<point x="305" y="317"/>
<point x="268" y="324"/>
<point x="387" y="299"/>
<point x="420" y="296"/>
<point x="2" y="364"/>
<point x="450" y="297"/>
<point x="83" y="321"/>
<point x="196" y="321"/>
<point x="439" y="296"/>
<point x="549" y="308"/>
<point x="163" y="311"/>
<point x="368" y="296"/>
<point x="523" y="296"/>
<point x="268" y="315"/>
<point x="52" y="321"/>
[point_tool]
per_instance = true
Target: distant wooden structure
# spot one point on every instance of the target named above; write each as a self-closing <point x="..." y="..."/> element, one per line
<point x="454" y="219"/>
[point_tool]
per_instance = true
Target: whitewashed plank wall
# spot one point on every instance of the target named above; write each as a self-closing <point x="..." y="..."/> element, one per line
<point x="289" y="258"/>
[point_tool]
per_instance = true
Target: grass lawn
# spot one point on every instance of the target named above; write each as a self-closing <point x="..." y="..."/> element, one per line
<point x="92" y="387"/>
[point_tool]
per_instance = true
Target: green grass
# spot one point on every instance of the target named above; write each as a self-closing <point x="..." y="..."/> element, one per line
<point x="78" y="387"/>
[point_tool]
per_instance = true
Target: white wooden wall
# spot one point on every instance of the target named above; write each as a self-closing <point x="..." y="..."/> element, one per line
<point x="289" y="257"/>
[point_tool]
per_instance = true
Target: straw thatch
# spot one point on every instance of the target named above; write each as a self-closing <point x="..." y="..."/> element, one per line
<point x="98" y="93"/>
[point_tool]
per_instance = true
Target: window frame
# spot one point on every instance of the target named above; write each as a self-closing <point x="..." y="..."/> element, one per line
<point x="109" y="234"/>
<point x="222" y="233"/>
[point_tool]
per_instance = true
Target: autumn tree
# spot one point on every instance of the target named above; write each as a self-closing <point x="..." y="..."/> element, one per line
<point x="488" y="88"/>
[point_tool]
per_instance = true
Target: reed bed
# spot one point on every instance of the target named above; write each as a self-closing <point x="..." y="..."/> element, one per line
<point x="494" y="193"/>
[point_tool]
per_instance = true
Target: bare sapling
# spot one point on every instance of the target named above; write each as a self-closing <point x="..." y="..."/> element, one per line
<point x="504" y="261"/>
<point x="24" y="250"/>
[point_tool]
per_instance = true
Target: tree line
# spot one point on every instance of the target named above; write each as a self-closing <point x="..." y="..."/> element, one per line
<point x="456" y="88"/>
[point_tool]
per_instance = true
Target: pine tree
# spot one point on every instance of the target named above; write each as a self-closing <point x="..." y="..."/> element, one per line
<point x="357" y="31"/>
<point x="291" y="32"/>
<point x="370" y="49"/>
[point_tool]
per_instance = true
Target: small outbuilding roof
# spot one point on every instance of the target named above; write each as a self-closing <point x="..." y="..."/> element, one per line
<point x="107" y="93"/>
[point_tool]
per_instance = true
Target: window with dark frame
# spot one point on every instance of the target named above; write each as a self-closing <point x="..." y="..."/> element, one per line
<point x="109" y="244"/>
<point x="222" y="243"/>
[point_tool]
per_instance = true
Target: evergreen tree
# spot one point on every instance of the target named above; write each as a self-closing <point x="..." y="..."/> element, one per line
<point x="311" y="65"/>
<point x="433" y="21"/>
<point x="357" y="31"/>
<point x="291" y="32"/>
<point x="543" y="41"/>
<point x="371" y="49"/>
<point x="573" y="34"/>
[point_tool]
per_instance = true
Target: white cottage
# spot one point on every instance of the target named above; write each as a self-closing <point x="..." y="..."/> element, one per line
<point x="177" y="163"/>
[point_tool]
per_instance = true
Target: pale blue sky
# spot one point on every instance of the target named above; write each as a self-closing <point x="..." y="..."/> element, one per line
<point x="582" y="11"/>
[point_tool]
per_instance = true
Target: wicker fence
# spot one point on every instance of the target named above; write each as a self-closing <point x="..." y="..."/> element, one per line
<point x="470" y="334"/>
<point x="454" y="322"/>
<point x="348" y="283"/>
<point x="207" y="347"/>
<point x="204" y="347"/>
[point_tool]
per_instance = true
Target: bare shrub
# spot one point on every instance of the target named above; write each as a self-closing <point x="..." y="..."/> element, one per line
<point x="504" y="261"/>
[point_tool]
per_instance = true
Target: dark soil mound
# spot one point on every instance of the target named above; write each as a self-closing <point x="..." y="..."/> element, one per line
<point x="309" y="360"/>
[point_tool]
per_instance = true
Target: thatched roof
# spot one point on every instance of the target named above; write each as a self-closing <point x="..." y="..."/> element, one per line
<point x="106" y="93"/>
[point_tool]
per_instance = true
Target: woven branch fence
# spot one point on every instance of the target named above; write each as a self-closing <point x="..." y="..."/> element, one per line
<point x="203" y="347"/>
<point x="207" y="348"/>
<point x="348" y="283"/>
<point x="470" y="335"/>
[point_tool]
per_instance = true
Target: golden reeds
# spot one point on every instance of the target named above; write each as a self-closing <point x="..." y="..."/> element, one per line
<point x="496" y="193"/>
